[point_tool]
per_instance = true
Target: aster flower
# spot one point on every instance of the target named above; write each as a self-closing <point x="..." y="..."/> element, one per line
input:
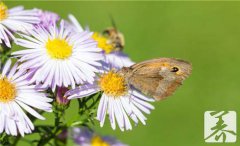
<point x="119" y="100"/>
<point x="112" y="42"/>
<point x="85" y="137"/>
<point x="112" y="56"/>
<point x="17" y="95"/>
<point x="15" y="19"/>
<point x="59" y="57"/>
<point x="47" y="19"/>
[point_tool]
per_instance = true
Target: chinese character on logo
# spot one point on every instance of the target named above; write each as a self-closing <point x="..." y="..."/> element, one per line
<point x="220" y="126"/>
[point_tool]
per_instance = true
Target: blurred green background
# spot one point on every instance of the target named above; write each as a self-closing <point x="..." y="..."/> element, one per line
<point x="204" y="33"/>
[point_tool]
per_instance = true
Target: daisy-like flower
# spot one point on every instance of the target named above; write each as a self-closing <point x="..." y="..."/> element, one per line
<point x="111" y="48"/>
<point x="59" y="57"/>
<point x="47" y="19"/>
<point x="112" y="56"/>
<point x="84" y="137"/>
<point x="17" y="95"/>
<point x="119" y="100"/>
<point x="15" y="19"/>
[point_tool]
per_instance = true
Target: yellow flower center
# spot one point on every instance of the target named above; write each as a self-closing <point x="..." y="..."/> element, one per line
<point x="59" y="49"/>
<point x="97" y="141"/>
<point x="3" y="11"/>
<point x="103" y="42"/>
<point x="7" y="90"/>
<point x="113" y="84"/>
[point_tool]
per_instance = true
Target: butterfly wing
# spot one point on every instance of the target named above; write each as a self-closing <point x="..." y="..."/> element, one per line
<point x="146" y="84"/>
<point x="154" y="77"/>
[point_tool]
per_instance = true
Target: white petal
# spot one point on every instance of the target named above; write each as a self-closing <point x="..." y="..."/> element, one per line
<point x="6" y="68"/>
<point x="82" y="91"/>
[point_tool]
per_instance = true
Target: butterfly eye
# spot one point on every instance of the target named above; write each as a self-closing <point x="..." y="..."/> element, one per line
<point x="174" y="69"/>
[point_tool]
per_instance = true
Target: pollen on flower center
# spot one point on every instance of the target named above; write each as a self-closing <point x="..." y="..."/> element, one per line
<point x="97" y="141"/>
<point x="103" y="43"/>
<point x="7" y="90"/>
<point x="3" y="11"/>
<point x="113" y="84"/>
<point x="59" y="49"/>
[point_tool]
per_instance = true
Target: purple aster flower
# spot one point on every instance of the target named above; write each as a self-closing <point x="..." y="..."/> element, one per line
<point x="18" y="96"/>
<point x="47" y="19"/>
<point x="84" y="137"/>
<point x="15" y="20"/>
<point x="59" y="57"/>
<point x="116" y="58"/>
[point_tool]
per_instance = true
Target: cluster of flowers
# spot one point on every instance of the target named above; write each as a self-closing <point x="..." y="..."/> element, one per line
<point x="62" y="56"/>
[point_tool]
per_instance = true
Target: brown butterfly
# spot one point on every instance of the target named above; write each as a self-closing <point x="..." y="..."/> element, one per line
<point x="158" y="78"/>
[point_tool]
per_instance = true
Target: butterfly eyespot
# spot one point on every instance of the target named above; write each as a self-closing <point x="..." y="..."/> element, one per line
<point x="175" y="69"/>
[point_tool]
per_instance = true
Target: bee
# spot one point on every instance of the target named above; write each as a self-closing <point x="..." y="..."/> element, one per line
<point x="115" y="37"/>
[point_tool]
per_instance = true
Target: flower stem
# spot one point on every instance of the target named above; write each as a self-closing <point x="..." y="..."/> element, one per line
<point x="4" y="54"/>
<point x="59" y="126"/>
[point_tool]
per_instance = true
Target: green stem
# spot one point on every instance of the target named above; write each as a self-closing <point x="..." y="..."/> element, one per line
<point x="59" y="126"/>
<point x="4" y="54"/>
<point x="47" y="138"/>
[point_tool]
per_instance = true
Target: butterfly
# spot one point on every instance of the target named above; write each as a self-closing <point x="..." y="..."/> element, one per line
<point x="158" y="78"/>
